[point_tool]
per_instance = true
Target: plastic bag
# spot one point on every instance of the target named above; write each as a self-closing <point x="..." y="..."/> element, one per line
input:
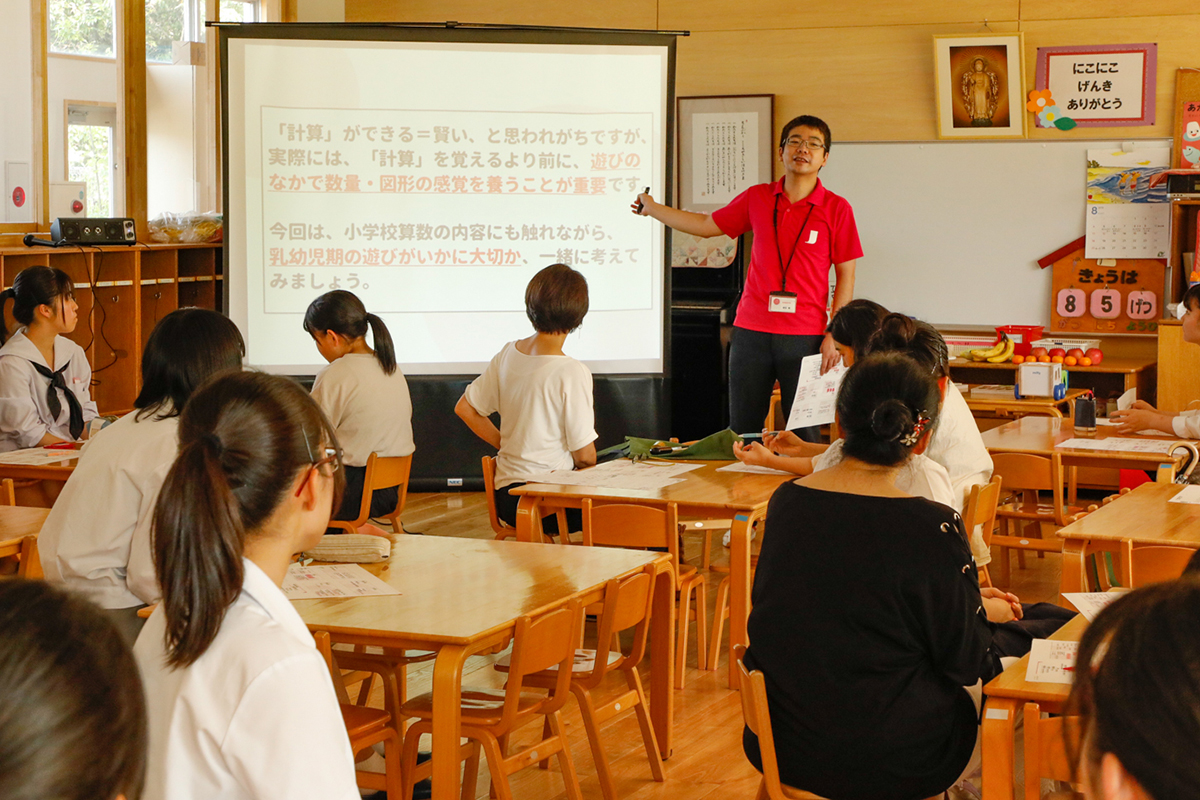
<point x="190" y="228"/>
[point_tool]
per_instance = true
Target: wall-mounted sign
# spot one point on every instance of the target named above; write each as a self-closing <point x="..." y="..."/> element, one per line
<point x="1100" y="85"/>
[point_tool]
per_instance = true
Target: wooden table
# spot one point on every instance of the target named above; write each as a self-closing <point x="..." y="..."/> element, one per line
<point x="1005" y="694"/>
<point x="1040" y="435"/>
<point x="17" y="523"/>
<point x="463" y="596"/>
<point x="41" y="494"/>
<point x="704" y="493"/>
<point x="1012" y="407"/>
<point x="1142" y="517"/>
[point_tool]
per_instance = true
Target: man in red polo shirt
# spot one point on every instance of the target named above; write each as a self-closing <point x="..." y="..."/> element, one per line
<point x="800" y="230"/>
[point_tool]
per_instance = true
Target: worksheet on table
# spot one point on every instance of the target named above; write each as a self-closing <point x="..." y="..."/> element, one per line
<point x="620" y="474"/>
<point x="337" y="580"/>
<point x="1051" y="661"/>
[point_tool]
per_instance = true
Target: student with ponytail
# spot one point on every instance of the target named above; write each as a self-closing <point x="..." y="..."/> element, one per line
<point x="240" y="703"/>
<point x="868" y="620"/>
<point x="45" y="378"/>
<point x="362" y="391"/>
<point x="97" y="537"/>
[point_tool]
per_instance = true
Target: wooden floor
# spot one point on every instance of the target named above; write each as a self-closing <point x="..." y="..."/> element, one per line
<point x="707" y="761"/>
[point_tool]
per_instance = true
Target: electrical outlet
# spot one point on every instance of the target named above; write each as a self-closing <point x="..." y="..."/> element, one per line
<point x="454" y="482"/>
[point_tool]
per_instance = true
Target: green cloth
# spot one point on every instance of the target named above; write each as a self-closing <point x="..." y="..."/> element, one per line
<point x="716" y="447"/>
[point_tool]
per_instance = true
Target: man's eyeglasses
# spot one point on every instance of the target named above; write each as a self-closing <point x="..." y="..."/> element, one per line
<point x="333" y="456"/>
<point x="812" y="145"/>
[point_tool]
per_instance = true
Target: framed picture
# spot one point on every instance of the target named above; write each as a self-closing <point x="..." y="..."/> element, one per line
<point x="726" y="145"/>
<point x="980" y="90"/>
<point x="1098" y="85"/>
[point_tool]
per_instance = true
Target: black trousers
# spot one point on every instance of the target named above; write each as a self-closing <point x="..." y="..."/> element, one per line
<point x="506" y="509"/>
<point x="383" y="501"/>
<point x="756" y="361"/>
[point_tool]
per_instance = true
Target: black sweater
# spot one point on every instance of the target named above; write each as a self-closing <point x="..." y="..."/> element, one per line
<point x="867" y="624"/>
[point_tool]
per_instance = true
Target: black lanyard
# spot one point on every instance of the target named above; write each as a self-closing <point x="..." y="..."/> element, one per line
<point x="792" y="253"/>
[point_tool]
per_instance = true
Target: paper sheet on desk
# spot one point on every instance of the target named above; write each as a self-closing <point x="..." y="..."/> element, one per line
<point x="1092" y="603"/>
<point x="1051" y="661"/>
<point x="815" y="402"/>
<point x="1189" y="495"/>
<point x="37" y="456"/>
<point x="339" y="580"/>
<point x="620" y="474"/>
<point x="751" y="468"/>
<point x="1117" y="443"/>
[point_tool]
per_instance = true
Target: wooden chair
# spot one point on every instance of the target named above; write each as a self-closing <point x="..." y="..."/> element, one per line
<point x="366" y="727"/>
<point x="1027" y="476"/>
<point x="24" y="551"/>
<point x="382" y="473"/>
<point x="721" y="613"/>
<point x="1046" y="754"/>
<point x="392" y="668"/>
<point x="645" y="527"/>
<point x="981" y="511"/>
<point x="626" y="605"/>
<point x="8" y="493"/>
<point x="490" y="715"/>
<point x="503" y="529"/>
<point x="1145" y="564"/>
<point x="758" y="720"/>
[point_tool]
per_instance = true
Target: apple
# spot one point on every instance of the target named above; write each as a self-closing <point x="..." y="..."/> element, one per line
<point x="1059" y="352"/>
<point x="1095" y="355"/>
<point x="1038" y="352"/>
<point x="1076" y="353"/>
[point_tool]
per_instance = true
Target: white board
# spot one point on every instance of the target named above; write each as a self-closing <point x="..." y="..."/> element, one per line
<point x="952" y="231"/>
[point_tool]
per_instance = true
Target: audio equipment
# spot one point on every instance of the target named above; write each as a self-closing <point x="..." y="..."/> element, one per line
<point x="66" y="231"/>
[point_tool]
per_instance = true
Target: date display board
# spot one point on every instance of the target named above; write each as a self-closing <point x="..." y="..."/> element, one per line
<point x="1107" y="295"/>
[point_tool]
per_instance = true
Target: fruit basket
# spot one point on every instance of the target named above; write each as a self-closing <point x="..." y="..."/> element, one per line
<point x="1022" y="336"/>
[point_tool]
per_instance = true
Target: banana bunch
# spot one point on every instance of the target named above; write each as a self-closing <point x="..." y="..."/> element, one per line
<point x="997" y="354"/>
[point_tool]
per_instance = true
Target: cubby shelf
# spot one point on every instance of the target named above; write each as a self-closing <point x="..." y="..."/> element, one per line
<point x="123" y="292"/>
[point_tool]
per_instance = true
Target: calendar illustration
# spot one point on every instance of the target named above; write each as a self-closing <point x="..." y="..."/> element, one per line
<point x="1128" y="215"/>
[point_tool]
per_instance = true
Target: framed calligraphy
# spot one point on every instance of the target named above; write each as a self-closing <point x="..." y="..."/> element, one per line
<point x="1100" y="85"/>
<point x="979" y="87"/>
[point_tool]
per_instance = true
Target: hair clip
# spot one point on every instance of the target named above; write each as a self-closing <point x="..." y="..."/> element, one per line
<point x="913" y="436"/>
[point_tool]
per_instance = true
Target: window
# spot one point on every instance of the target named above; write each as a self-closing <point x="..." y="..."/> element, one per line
<point x="239" y="11"/>
<point x="81" y="27"/>
<point x="165" y="23"/>
<point x="90" y="137"/>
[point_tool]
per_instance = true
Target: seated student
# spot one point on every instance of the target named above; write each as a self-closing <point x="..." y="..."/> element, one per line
<point x="45" y="378"/>
<point x="867" y="616"/>
<point x="1137" y="689"/>
<point x="852" y="327"/>
<point x="1141" y="416"/>
<point x="362" y="392"/>
<point x="240" y="703"/>
<point x="97" y="538"/>
<point x="543" y="396"/>
<point x="72" y="715"/>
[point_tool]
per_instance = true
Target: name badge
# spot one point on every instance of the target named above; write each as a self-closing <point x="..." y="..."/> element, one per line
<point x="782" y="302"/>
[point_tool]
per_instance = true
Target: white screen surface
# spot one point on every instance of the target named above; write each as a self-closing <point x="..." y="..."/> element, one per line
<point x="433" y="180"/>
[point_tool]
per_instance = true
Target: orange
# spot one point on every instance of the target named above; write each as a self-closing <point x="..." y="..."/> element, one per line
<point x="1056" y="359"/>
<point x="1044" y="359"/>
<point x="1018" y="359"/>
<point x="1085" y="362"/>
<point x="1070" y="361"/>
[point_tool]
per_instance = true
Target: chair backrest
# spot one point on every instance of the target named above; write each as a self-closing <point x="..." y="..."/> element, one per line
<point x="1154" y="563"/>
<point x="31" y="562"/>
<point x="8" y="492"/>
<point x="631" y="526"/>
<point x="981" y="508"/>
<point x="381" y="473"/>
<point x="539" y="644"/>
<point x="502" y="528"/>
<point x="1027" y="472"/>
<point x="627" y="604"/>
<point x="1046" y="754"/>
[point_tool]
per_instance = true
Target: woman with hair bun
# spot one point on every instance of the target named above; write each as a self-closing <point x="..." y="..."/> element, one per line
<point x="868" y="620"/>
<point x="45" y="378"/>
<point x="363" y="393"/>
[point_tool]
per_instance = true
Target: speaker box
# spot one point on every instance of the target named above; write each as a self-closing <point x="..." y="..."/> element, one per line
<point x="93" y="230"/>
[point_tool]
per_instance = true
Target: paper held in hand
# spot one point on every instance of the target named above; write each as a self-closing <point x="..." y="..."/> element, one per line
<point x="815" y="402"/>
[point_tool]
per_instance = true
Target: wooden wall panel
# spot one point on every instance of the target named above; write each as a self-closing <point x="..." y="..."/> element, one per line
<point x="1176" y="38"/>
<point x="1104" y="9"/>
<point x="713" y="15"/>
<point x="869" y="84"/>
<point x="641" y="14"/>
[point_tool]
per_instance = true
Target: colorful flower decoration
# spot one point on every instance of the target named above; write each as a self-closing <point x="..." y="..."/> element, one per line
<point x="1047" y="116"/>
<point x="1039" y="100"/>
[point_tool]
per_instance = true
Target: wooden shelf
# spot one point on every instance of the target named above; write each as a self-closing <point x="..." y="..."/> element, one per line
<point x="122" y="293"/>
<point x="1110" y="378"/>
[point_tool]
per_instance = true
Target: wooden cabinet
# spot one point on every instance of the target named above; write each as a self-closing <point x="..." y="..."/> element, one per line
<point x="1179" y="368"/>
<point x="122" y="293"/>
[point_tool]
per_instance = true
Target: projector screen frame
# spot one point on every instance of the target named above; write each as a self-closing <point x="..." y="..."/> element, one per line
<point x="454" y="32"/>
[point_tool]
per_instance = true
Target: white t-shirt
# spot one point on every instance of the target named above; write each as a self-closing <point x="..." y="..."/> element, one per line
<point x="958" y="446"/>
<point x="370" y="411"/>
<point x="545" y="407"/>
<point x="920" y="476"/>
<point x="24" y="413"/>
<point x="254" y="718"/>
<point x="96" y="540"/>
<point x="1187" y="424"/>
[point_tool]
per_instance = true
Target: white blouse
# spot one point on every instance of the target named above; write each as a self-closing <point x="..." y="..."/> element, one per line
<point x="24" y="413"/>
<point x="370" y="411"/>
<point x="96" y="540"/>
<point x="254" y="718"/>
